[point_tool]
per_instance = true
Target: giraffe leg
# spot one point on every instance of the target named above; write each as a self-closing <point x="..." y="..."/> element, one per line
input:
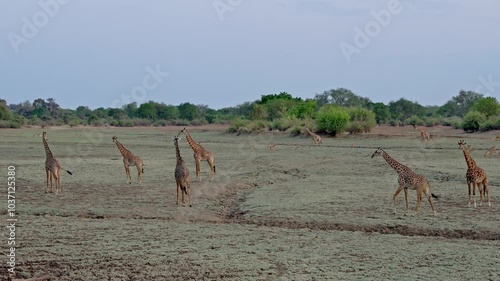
<point x="419" y="200"/>
<point x="428" y="195"/>
<point x="198" y="177"/>
<point x="406" y="201"/>
<point x="50" y="178"/>
<point x="55" y="181"/>
<point x="480" y="189"/>
<point x="47" y="179"/>
<point x="474" y="193"/>
<point x="58" y="183"/>
<point x="139" y="172"/>
<point x="468" y="204"/>
<point x="182" y="194"/>
<point x="394" y="197"/>
<point x="127" y="174"/>
<point x="178" y="187"/>
<point x="188" y="187"/>
<point x="212" y="169"/>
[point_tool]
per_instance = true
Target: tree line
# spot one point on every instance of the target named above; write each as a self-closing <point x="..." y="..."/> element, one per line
<point x="331" y="112"/>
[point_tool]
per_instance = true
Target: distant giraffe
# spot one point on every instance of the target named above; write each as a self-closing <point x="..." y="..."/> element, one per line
<point x="315" y="138"/>
<point x="475" y="176"/>
<point x="497" y="138"/>
<point x="182" y="178"/>
<point x="130" y="159"/>
<point x="492" y="152"/>
<point x="200" y="154"/>
<point x="424" y="135"/>
<point x="271" y="146"/>
<point x="408" y="180"/>
<point x="52" y="167"/>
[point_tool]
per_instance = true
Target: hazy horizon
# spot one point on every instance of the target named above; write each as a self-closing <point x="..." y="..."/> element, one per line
<point x="222" y="53"/>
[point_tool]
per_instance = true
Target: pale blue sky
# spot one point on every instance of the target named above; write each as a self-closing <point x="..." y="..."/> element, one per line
<point x="96" y="53"/>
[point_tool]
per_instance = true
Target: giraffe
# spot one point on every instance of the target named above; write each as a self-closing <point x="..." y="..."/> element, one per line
<point x="315" y="138"/>
<point x="130" y="159"/>
<point x="491" y="152"/>
<point x="182" y="178"/>
<point x="408" y="180"/>
<point x="424" y="135"/>
<point x="52" y="167"/>
<point x="200" y="154"/>
<point x="475" y="176"/>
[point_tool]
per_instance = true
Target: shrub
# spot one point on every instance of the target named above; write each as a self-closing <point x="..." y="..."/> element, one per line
<point x="455" y="122"/>
<point x="181" y="122"/>
<point x="431" y="121"/>
<point x="472" y="121"/>
<point x="362" y="120"/>
<point x="198" y="122"/>
<point x="414" y="120"/>
<point x="236" y="124"/>
<point x="160" y="123"/>
<point x="332" y="119"/>
<point x="395" y="123"/>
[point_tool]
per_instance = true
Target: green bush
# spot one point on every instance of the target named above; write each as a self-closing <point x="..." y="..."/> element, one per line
<point x="472" y="121"/>
<point x="395" y="123"/>
<point x="414" y="120"/>
<point x="493" y="123"/>
<point x="332" y="119"/>
<point x="159" y="123"/>
<point x="361" y="120"/>
<point x="236" y="124"/>
<point x="198" y="122"/>
<point x="431" y="121"/>
<point x="455" y="122"/>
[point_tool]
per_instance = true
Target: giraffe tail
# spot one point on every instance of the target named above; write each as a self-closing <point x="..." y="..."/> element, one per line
<point x="69" y="172"/>
<point x="214" y="168"/>
<point x="435" y="196"/>
<point x="184" y="188"/>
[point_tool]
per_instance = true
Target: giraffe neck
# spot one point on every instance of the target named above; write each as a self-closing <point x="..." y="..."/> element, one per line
<point x="394" y="164"/>
<point x="178" y="153"/>
<point x="47" y="150"/>
<point x="122" y="149"/>
<point x="470" y="162"/>
<point x="195" y="146"/>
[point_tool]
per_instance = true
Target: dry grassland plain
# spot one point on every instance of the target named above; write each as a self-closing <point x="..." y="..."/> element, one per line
<point x="295" y="211"/>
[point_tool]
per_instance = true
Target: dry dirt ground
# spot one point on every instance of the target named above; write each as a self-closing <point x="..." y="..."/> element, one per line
<point x="291" y="212"/>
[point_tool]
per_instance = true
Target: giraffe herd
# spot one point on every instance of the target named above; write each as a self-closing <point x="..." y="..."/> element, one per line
<point x="407" y="179"/>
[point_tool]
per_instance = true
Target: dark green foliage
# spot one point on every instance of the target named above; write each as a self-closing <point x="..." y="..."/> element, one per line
<point x="472" y="121"/>
<point x="332" y="119"/>
<point x="488" y="106"/>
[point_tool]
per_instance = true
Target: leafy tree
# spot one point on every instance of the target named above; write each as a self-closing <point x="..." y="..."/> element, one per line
<point x="101" y="112"/>
<point x="4" y="110"/>
<point x="460" y="104"/>
<point x="167" y="112"/>
<point x="488" y="106"/>
<point x="116" y="113"/>
<point x="83" y="112"/>
<point x="52" y="107"/>
<point x="277" y="108"/>
<point x="402" y="109"/>
<point x="381" y="111"/>
<point x="188" y="111"/>
<point x="322" y="99"/>
<point x="332" y="119"/>
<point x="303" y="109"/>
<point x="259" y="112"/>
<point x="147" y="110"/>
<point x="281" y="96"/>
<point x="345" y="97"/>
<point x="25" y="108"/>
<point x="130" y="109"/>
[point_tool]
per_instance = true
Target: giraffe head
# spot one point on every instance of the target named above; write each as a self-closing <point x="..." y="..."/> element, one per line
<point x="378" y="152"/>
<point x="176" y="139"/>
<point x="182" y="131"/>
<point x="114" y="139"/>
<point x="44" y="136"/>
<point x="461" y="144"/>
